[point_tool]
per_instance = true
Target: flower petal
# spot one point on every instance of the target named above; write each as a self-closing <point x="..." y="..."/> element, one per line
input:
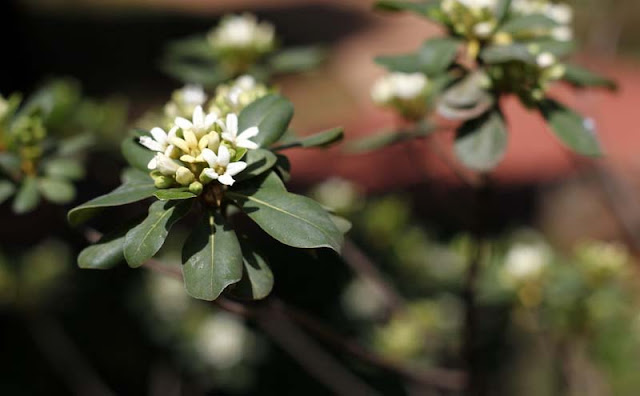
<point x="198" y="117"/>
<point x="150" y="144"/>
<point x="249" y="133"/>
<point x="235" y="167"/>
<point x="153" y="164"/>
<point x="210" y="119"/>
<point x="210" y="173"/>
<point x="224" y="156"/>
<point x="190" y="138"/>
<point x="210" y="157"/>
<point x="232" y="124"/>
<point x="248" y="144"/>
<point x="159" y="135"/>
<point x="183" y="123"/>
<point x="226" y="179"/>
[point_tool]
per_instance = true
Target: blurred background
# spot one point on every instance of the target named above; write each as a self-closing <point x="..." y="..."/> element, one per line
<point x="570" y="325"/>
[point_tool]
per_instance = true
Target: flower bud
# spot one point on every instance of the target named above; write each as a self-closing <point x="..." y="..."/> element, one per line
<point x="162" y="181"/>
<point x="184" y="176"/>
<point x="196" y="187"/>
<point x="164" y="165"/>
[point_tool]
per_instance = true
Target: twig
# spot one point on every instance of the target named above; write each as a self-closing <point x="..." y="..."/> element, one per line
<point x="363" y="266"/>
<point x="64" y="356"/>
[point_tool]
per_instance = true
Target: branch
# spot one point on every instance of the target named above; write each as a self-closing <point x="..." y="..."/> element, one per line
<point x="439" y="378"/>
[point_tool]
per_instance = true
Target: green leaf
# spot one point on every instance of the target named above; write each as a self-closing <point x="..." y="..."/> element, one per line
<point x="433" y="58"/>
<point x="343" y="224"/>
<point x="495" y="54"/>
<point x="64" y="168"/>
<point x="289" y="218"/>
<point x="560" y="49"/>
<point x="570" y="128"/>
<point x="105" y="254"/>
<point x="135" y="176"/>
<point x="211" y="257"/>
<point x="481" y="143"/>
<point x="123" y="195"/>
<point x="10" y="163"/>
<point x="385" y="139"/>
<point x="56" y="190"/>
<point x="136" y="154"/>
<point x="271" y="114"/>
<point x="297" y="59"/>
<point x="422" y="8"/>
<point x="190" y="47"/>
<point x="177" y="193"/>
<point x="581" y="77"/>
<point x="528" y="23"/>
<point x="283" y="167"/>
<point x="6" y="190"/>
<point x="502" y="10"/>
<point x="466" y="99"/>
<point x="257" y="278"/>
<point x="28" y="196"/>
<point x="208" y="74"/>
<point x="258" y="161"/>
<point x="320" y="139"/>
<point x="143" y="241"/>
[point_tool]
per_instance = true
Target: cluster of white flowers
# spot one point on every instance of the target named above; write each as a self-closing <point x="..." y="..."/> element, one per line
<point x="471" y="17"/>
<point x="562" y="14"/>
<point x="524" y="263"/>
<point x="234" y="97"/>
<point x="399" y="86"/>
<point x="197" y="151"/>
<point x="243" y="33"/>
<point x="185" y="100"/>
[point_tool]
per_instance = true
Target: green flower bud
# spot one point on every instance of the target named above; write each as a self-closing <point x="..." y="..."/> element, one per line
<point x="162" y="181"/>
<point x="196" y="187"/>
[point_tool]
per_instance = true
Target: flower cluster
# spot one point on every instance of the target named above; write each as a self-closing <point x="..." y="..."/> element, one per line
<point x="196" y="152"/>
<point x="471" y="18"/>
<point x="233" y="97"/>
<point x="240" y="40"/>
<point x="561" y="14"/>
<point x="406" y="92"/>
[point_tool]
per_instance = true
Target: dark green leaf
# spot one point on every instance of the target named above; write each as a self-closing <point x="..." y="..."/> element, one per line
<point x="502" y="10"/>
<point x="177" y="193"/>
<point x="297" y="59"/>
<point x="10" y="163"/>
<point x="197" y="47"/>
<point x="422" y="8"/>
<point x="528" y="23"/>
<point x="582" y="77"/>
<point x="64" y="168"/>
<point x="75" y="144"/>
<point x="56" y="190"/>
<point x="571" y="128"/>
<point x="125" y="194"/>
<point x="144" y="240"/>
<point x="28" y="196"/>
<point x="434" y="57"/>
<point x="211" y="257"/>
<point x="105" y="254"/>
<point x="283" y="167"/>
<point x="136" y="154"/>
<point x="289" y="218"/>
<point x="481" y="143"/>
<point x="257" y="278"/>
<point x="321" y="139"/>
<point x="271" y="114"/>
<point x="6" y="190"/>
<point x="385" y="139"/>
<point x="207" y="73"/>
<point x="507" y="53"/>
<point x="135" y="176"/>
<point x="258" y="161"/>
<point x="466" y="99"/>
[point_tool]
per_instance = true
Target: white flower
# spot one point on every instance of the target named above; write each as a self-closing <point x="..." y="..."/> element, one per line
<point x="230" y="133"/>
<point x="525" y="261"/>
<point x="243" y="31"/>
<point x="483" y="29"/>
<point x="561" y="13"/>
<point x="193" y="95"/>
<point x="562" y="33"/>
<point x="221" y="168"/>
<point x="242" y="84"/>
<point x="545" y="60"/>
<point x="159" y="140"/>
<point x="163" y="164"/>
<point x="200" y="124"/>
<point x="404" y="86"/>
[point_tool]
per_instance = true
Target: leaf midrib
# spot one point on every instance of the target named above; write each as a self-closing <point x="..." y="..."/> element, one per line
<point x="285" y="212"/>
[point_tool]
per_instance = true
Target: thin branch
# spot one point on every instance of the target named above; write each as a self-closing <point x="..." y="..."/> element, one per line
<point x="435" y="377"/>
<point x="361" y="264"/>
